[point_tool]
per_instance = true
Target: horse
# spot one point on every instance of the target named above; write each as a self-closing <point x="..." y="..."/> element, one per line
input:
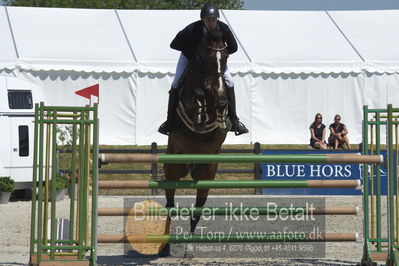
<point x="202" y="122"/>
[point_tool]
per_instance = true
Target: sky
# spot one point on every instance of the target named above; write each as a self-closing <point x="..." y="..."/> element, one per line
<point x="320" y="4"/>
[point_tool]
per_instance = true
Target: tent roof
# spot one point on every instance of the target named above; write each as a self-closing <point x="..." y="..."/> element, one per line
<point x="7" y="51"/>
<point x="92" y="40"/>
<point x="71" y="39"/>
<point x="374" y="34"/>
<point x="151" y="31"/>
<point x="293" y="41"/>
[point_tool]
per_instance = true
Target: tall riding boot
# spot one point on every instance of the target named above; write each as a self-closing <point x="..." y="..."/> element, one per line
<point x="236" y="126"/>
<point x="167" y="126"/>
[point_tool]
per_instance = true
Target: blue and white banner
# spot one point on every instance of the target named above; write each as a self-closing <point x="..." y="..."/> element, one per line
<point x="310" y="171"/>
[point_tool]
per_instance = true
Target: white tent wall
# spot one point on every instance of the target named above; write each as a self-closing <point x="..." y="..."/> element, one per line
<point x="117" y="108"/>
<point x="381" y="89"/>
<point x="289" y="66"/>
<point x="152" y="100"/>
<point x="300" y="67"/>
<point x="244" y="92"/>
<point x="284" y="105"/>
<point x="268" y="104"/>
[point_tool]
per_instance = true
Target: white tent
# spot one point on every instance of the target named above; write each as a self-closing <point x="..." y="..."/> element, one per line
<point x="290" y="65"/>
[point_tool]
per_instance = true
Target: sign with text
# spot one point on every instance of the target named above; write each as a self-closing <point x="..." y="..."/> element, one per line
<point x="310" y="171"/>
<point x="240" y="231"/>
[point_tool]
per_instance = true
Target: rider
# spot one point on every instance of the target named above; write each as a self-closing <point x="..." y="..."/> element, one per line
<point x="187" y="41"/>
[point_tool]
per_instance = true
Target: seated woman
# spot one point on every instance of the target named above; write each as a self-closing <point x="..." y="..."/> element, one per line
<point x="338" y="134"/>
<point x="318" y="133"/>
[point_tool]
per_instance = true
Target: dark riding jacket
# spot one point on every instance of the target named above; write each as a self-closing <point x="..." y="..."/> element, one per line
<point x="188" y="39"/>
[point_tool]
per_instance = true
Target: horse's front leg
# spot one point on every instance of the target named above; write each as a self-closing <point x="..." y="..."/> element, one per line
<point x="170" y="198"/>
<point x="202" y="195"/>
<point x="173" y="172"/>
<point x="170" y="202"/>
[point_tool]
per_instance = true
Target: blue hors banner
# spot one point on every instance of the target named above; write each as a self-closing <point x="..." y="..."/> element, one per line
<point x="309" y="170"/>
<point x="284" y="171"/>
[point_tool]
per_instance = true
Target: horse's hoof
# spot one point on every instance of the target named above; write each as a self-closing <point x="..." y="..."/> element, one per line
<point x="165" y="252"/>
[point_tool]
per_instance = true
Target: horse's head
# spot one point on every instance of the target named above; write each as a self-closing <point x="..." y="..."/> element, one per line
<point x="214" y="53"/>
<point x="214" y="50"/>
<point x="209" y="96"/>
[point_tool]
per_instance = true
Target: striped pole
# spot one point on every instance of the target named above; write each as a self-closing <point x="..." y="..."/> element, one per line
<point x="220" y="237"/>
<point x="241" y="158"/>
<point x="205" y="184"/>
<point x="208" y="211"/>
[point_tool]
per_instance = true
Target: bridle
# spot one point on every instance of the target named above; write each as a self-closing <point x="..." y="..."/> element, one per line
<point x="202" y="115"/>
<point x="217" y="49"/>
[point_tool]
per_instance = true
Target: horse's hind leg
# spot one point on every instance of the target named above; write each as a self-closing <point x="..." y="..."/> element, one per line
<point x="172" y="173"/>
<point x="202" y="195"/>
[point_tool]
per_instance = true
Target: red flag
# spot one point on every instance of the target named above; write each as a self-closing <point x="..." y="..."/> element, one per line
<point x="89" y="91"/>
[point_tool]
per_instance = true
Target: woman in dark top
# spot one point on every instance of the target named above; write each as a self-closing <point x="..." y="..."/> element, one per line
<point x="318" y="133"/>
<point x="338" y="134"/>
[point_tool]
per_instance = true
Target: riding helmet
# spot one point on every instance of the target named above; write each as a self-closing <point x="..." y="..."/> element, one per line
<point x="209" y="11"/>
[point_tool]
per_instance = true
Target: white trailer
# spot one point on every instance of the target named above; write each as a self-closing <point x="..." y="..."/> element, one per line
<point x="17" y="109"/>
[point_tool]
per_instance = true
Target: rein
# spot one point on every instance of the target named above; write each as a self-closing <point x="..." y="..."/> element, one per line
<point x="217" y="49"/>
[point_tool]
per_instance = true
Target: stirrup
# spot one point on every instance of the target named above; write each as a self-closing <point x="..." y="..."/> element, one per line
<point x="165" y="128"/>
<point x="239" y="128"/>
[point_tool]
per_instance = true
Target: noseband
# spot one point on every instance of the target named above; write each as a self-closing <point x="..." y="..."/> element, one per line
<point x="217" y="49"/>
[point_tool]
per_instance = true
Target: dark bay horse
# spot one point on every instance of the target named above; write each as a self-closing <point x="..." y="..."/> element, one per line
<point x="202" y="123"/>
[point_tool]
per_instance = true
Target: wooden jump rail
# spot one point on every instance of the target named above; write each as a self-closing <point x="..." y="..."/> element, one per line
<point x="194" y="211"/>
<point x="222" y="238"/>
<point x="204" y="184"/>
<point x="241" y="158"/>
